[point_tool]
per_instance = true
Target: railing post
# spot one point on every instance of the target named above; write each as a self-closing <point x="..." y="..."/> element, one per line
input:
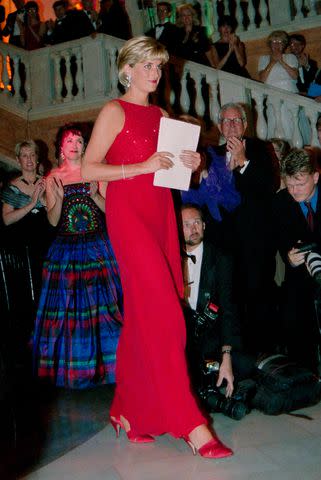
<point x="185" y="102"/>
<point x="57" y="77"/>
<point x="280" y="12"/>
<point x="298" y="9"/>
<point x="79" y="77"/>
<point x="214" y="105"/>
<point x="251" y="15"/>
<point x="263" y="12"/>
<point x="199" y="101"/>
<point x="261" y="125"/>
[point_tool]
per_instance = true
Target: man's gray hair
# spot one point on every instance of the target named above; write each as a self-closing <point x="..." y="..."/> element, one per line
<point x="235" y="106"/>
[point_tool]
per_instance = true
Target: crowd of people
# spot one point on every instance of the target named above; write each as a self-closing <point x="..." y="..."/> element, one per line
<point x="117" y="293"/>
<point x="23" y="27"/>
<point x="288" y="66"/>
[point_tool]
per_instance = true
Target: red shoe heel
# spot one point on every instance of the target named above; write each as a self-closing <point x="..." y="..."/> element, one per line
<point x="212" y="449"/>
<point x="117" y="425"/>
<point x="132" y="437"/>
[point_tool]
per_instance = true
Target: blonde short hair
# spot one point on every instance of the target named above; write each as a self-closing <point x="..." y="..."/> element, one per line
<point x="26" y="143"/>
<point x="186" y="6"/>
<point x="139" y="49"/>
<point x="279" y="35"/>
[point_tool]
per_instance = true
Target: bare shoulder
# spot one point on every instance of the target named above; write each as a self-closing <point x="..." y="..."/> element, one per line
<point x="15" y="181"/>
<point x="113" y="115"/>
<point x="112" y="108"/>
<point x="55" y="173"/>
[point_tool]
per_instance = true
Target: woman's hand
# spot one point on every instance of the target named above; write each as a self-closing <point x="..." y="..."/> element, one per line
<point x="38" y="191"/>
<point x="158" y="161"/>
<point x="55" y="185"/>
<point x="190" y="159"/>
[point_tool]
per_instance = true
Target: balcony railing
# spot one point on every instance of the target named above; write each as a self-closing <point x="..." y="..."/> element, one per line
<point x="82" y="75"/>
<point x="255" y="18"/>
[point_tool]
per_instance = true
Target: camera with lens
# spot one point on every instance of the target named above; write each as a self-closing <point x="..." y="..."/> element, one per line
<point x="203" y="322"/>
<point x="202" y="343"/>
<point x="236" y="406"/>
<point x="312" y="260"/>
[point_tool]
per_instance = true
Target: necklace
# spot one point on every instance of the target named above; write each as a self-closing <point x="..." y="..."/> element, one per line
<point x="28" y="183"/>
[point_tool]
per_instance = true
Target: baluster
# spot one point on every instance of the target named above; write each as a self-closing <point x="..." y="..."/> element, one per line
<point x="274" y="115"/>
<point x="185" y="100"/>
<point x="57" y="78"/>
<point x="313" y="8"/>
<point x="68" y="77"/>
<point x="239" y="15"/>
<point x="213" y="97"/>
<point x="113" y="71"/>
<point x="16" y="80"/>
<point x="28" y="83"/>
<point x="263" y="9"/>
<point x="312" y="116"/>
<point x="251" y="15"/>
<point x="297" y="140"/>
<point x="5" y="74"/>
<point x="261" y="125"/>
<point x="226" y="7"/>
<point x="79" y="77"/>
<point x="199" y="101"/>
<point x="298" y="7"/>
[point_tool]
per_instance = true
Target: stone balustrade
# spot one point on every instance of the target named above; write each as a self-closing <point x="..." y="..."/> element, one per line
<point x="81" y="75"/>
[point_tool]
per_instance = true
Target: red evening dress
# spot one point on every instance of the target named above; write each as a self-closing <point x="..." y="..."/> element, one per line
<point x="152" y="385"/>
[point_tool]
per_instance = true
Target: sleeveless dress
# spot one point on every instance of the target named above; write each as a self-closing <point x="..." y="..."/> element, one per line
<point x="231" y="65"/>
<point x="153" y="389"/>
<point x="79" y="314"/>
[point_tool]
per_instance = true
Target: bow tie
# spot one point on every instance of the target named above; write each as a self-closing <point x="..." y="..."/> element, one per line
<point x="191" y="257"/>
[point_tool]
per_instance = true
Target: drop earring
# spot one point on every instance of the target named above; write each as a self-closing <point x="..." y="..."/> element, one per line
<point x="128" y="80"/>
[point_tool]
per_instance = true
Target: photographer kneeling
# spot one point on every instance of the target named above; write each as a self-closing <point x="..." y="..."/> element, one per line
<point x="213" y="331"/>
<point x="297" y="220"/>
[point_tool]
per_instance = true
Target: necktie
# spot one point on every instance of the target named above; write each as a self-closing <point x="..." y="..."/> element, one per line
<point x="310" y="216"/>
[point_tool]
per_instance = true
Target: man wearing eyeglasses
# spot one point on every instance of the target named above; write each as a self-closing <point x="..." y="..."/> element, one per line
<point x="208" y="280"/>
<point x="237" y="190"/>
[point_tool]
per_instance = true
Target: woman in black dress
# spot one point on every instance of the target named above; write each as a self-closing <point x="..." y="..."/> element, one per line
<point x="193" y="43"/>
<point x="229" y="52"/>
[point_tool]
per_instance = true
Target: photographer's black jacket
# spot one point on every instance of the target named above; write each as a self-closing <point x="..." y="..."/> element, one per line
<point x="216" y="282"/>
<point x="298" y="326"/>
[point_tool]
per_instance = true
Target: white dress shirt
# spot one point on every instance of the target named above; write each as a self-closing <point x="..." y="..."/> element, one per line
<point x="194" y="274"/>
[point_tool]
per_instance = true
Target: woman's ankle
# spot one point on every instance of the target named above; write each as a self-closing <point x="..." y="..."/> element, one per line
<point x="200" y="436"/>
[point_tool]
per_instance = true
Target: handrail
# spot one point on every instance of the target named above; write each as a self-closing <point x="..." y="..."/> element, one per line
<point x="81" y="75"/>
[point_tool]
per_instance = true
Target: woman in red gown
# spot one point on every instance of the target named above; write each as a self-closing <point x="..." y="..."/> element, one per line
<point x="153" y="394"/>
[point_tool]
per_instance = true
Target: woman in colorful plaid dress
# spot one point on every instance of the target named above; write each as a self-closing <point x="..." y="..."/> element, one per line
<point x="79" y="314"/>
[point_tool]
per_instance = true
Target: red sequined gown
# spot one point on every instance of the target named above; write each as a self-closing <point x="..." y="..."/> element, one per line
<point x="152" y="385"/>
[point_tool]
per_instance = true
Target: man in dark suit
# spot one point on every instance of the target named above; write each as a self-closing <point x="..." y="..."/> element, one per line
<point x="297" y="219"/>
<point x="307" y="67"/>
<point x="11" y="28"/>
<point x="69" y="24"/>
<point x="242" y="170"/>
<point x="165" y="31"/>
<point x="208" y="278"/>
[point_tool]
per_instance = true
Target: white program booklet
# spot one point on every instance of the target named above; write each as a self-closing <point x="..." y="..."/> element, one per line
<point x="175" y="136"/>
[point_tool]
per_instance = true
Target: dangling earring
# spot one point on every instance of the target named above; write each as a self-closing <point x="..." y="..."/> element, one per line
<point x="61" y="157"/>
<point x="128" y="80"/>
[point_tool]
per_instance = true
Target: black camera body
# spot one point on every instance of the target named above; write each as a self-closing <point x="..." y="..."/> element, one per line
<point x="204" y="342"/>
<point x="236" y="406"/>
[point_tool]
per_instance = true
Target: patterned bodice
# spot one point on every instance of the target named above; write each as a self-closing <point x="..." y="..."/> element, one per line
<point x="80" y="214"/>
